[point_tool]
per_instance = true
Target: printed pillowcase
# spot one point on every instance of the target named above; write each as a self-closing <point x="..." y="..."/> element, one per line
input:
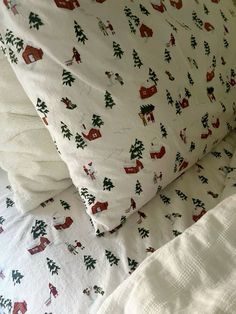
<point x="35" y="170"/>
<point x="132" y="93"/>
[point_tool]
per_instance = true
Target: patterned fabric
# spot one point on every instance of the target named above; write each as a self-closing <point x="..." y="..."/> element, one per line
<point x="54" y="263"/>
<point x="133" y="92"/>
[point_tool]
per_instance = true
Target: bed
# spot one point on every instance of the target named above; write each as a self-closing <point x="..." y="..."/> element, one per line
<point x="118" y="177"/>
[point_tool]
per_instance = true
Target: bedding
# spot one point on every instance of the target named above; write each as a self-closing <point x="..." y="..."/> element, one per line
<point x="34" y="167"/>
<point x="132" y="93"/>
<point x="54" y="263"/>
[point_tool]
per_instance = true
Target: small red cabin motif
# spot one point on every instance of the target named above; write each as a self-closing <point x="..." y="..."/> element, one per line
<point x="176" y="4"/>
<point x="210" y="75"/>
<point x="146" y="92"/>
<point x="44" y="242"/>
<point x="157" y="153"/>
<point x="19" y="308"/>
<point x="67" y="4"/>
<point x="197" y="217"/>
<point x="161" y="7"/>
<point x="184" y="103"/>
<point x="206" y="135"/>
<point x="99" y="207"/>
<point x="216" y="123"/>
<point x="183" y="165"/>
<point x="100" y="1"/>
<point x="130" y="169"/>
<point x="31" y="54"/>
<point x="1" y="229"/>
<point x="92" y="135"/>
<point x="60" y="225"/>
<point x="208" y="26"/>
<point x="145" y="31"/>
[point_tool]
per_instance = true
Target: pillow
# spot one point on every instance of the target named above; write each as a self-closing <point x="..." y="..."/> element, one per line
<point x="133" y="93"/>
<point x="35" y="170"/>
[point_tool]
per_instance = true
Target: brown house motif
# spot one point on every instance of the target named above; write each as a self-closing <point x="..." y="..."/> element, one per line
<point x="92" y="135"/>
<point x="31" y="54"/>
<point x="19" y="308"/>
<point x="145" y="31"/>
<point x="100" y="1"/>
<point x="44" y="242"/>
<point x="67" y="4"/>
<point x="146" y="92"/>
<point x="99" y="207"/>
<point x="161" y="7"/>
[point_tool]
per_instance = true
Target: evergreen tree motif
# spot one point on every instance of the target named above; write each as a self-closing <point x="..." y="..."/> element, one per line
<point x="35" y="21"/>
<point x="112" y="259"/>
<point x="132" y="28"/>
<point x="144" y="233"/>
<point x="86" y="196"/>
<point x="65" y="205"/>
<point x="144" y="10"/>
<point x="136" y="20"/>
<point x="12" y="56"/>
<point x="167" y="56"/>
<point x="228" y="87"/>
<point x="192" y="146"/>
<point x="97" y="121"/>
<point x="41" y="107"/>
<point x="9" y="37"/>
<point x="165" y="199"/>
<point x="203" y="179"/>
<point x="136" y="150"/>
<point x="16" y="277"/>
<point x="232" y="73"/>
<point x="205" y="121"/>
<point x="52" y="266"/>
<point x="226" y="44"/>
<point x="221" y="79"/>
<point x="193" y="42"/>
<point x="198" y="203"/>
<point x="9" y="202"/>
<point x="100" y="234"/>
<point x="107" y="184"/>
<point x="223" y="106"/>
<point x="228" y="153"/>
<point x="176" y="233"/>
<point x="191" y="82"/>
<point x="79" y="33"/>
<point x="5" y="304"/>
<point x="169" y="98"/>
<point x="187" y="93"/>
<point x="206" y="9"/>
<point x="153" y="77"/>
<point x="216" y="154"/>
<point x="198" y="22"/>
<point x="178" y="108"/>
<point x="39" y="229"/>
<point x="207" y="48"/>
<point x="109" y="100"/>
<point x="223" y="16"/>
<point x="1" y="220"/>
<point x="89" y="262"/>
<point x="163" y="131"/>
<point x="118" y="52"/>
<point x="19" y="44"/>
<point x="181" y="195"/>
<point x="213" y="62"/>
<point x="67" y="78"/>
<point x="128" y="12"/>
<point x="137" y="61"/>
<point x="80" y="142"/>
<point x="66" y="131"/>
<point x="132" y="265"/>
<point x="98" y="290"/>
<point x="138" y="188"/>
<point x="123" y="219"/>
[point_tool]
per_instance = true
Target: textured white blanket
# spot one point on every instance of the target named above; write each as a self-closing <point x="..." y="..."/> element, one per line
<point x="194" y="273"/>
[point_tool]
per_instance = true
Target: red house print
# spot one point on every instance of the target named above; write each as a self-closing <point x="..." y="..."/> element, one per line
<point x="92" y="135"/>
<point x="146" y="92"/>
<point x="161" y="7"/>
<point x="197" y="217"/>
<point x="215" y="1"/>
<point x="62" y="223"/>
<point x="31" y="54"/>
<point x="100" y="1"/>
<point x="183" y="165"/>
<point x="157" y="153"/>
<point x="67" y="4"/>
<point x="176" y="4"/>
<point x="208" y="26"/>
<point x="184" y="103"/>
<point x="19" y="308"/>
<point x="1" y="229"/>
<point x="130" y="169"/>
<point x="44" y="242"/>
<point x="206" y="135"/>
<point x="145" y="31"/>
<point x="99" y="207"/>
<point x="216" y="123"/>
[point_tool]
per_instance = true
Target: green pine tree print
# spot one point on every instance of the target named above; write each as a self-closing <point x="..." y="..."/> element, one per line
<point x="181" y="195"/>
<point x="66" y="131"/>
<point x="207" y="48"/>
<point x="192" y="146"/>
<point x="163" y="131"/>
<point x="203" y="179"/>
<point x="228" y="153"/>
<point x="167" y="56"/>
<point x="9" y="202"/>
<point x="226" y="43"/>
<point x="178" y="108"/>
<point x="89" y="262"/>
<point x="165" y="199"/>
<point x="132" y="28"/>
<point x="144" y="10"/>
<point x="191" y="82"/>
<point x="42" y="107"/>
<point x="198" y="203"/>
<point x="223" y="16"/>
<point x="205" y="121"/>
<point x="206" y="9"/>
<point x="109" y="100"/>
<point x="35" y="21"/>
<point x="9" y="37"/>
<point x="132" y="264"/>
<point x="80" y="142"/>
<point x="128" y="12"/>
<point x="169" y="98"/>
<point x="138" y="188"/>
<point x="153" y="76"/>
<point x="12" y="56"/>
<point x="112" y="259"/>
<point x="193" y="42"/>
<point x="118" y="52"/>
<point x="65" y="205"/>
<point x="98" y="290"/>
<point x="67" y="78"/>
<point x="176" y="233"/>
<point x="79" y="33"/>
<point x="52" y="266"/>
<point x="136" y="150"/>
<point x="19" y="44"/>
<point x="1" y="220"/>
<point x="144" y="233"/>
<point x="39" y="229"/>
<point x="88" y="197"/>
<point x="5" y="304"/>
<point x="107" y="184"/>
<point x="214" y="62"/>
<point x="97" y="121"/>
<point x="16" y="277"/>
<point x="137" y="61"/>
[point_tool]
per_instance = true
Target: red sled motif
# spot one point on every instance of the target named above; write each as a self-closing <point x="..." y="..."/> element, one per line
<point x="146" y="92"/>
<point x="62" y="223"/>
<point x="99" y="207"/>
<point x="178" y="4"/>
<point x="67" y="4"/>
<point x="44" y="242"/>
<point x="130" y="169"/>
<point x="157" y="153"/>
<point x="206" y="135"/>
<point x="19" y="308"/>
<point x="92" y="135"/>
<point x="210" y="75"/>
<point x="208" y="26"/>
<point x="31" y="54"/>
<point x="232" y="82"/>
<point x="197" y="217"/>
<point x="216" y="124"/>
<point x="161" y="7"/>
<point x="145" y="31"/>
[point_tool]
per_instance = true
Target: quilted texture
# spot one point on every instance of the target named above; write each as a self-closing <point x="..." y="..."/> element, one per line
<point x="134" y="93"/>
